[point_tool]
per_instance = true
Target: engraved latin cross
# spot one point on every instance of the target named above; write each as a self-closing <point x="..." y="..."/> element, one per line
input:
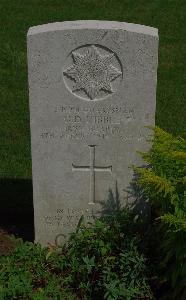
<point x="92" y="169"/>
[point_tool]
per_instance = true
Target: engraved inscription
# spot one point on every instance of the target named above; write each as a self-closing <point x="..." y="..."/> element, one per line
<point x="102" y="122"/>
<point x="92" y="169"/>
<point x="98" y="121"/>
<point x="68" y="217"/>
<point x="92" y="72"/>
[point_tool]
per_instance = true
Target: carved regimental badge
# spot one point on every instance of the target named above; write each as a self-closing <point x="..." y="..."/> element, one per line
<point x="92" y="71"/>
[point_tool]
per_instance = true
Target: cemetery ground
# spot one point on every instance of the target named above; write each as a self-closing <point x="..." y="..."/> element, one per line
<point x="16" y="208"/>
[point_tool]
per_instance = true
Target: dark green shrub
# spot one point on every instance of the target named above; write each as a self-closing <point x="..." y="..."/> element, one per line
<point x="164" y="182"/>
<point x="101" y="261"/>
<point x="104" y="260"/>
<point x="24" y="275"/>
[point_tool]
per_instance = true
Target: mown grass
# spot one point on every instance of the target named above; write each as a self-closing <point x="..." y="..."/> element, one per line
<point x="16" y="16"/>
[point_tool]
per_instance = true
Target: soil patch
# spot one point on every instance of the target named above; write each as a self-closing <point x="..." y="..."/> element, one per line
<point x="7" y="243"/>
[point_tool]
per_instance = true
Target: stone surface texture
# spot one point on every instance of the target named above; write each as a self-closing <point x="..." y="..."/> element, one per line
<point x="92" y="91"/>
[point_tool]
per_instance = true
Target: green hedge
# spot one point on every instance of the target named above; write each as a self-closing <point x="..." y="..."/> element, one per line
<point x="164" y="182"/>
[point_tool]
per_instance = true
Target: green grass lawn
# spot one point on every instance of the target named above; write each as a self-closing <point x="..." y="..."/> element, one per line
<point x="16" y="16"/>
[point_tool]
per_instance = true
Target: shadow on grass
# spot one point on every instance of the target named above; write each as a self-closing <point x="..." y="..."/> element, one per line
<point x="16" y="207"/>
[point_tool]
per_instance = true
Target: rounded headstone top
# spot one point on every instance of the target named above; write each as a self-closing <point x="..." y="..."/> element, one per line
<point x="93" y="24"/>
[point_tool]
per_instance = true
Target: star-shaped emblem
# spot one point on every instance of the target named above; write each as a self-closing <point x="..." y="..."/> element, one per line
<point x="92" y="72"/>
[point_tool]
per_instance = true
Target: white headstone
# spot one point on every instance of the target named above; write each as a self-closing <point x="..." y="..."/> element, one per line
<point x="92" y="89"/>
